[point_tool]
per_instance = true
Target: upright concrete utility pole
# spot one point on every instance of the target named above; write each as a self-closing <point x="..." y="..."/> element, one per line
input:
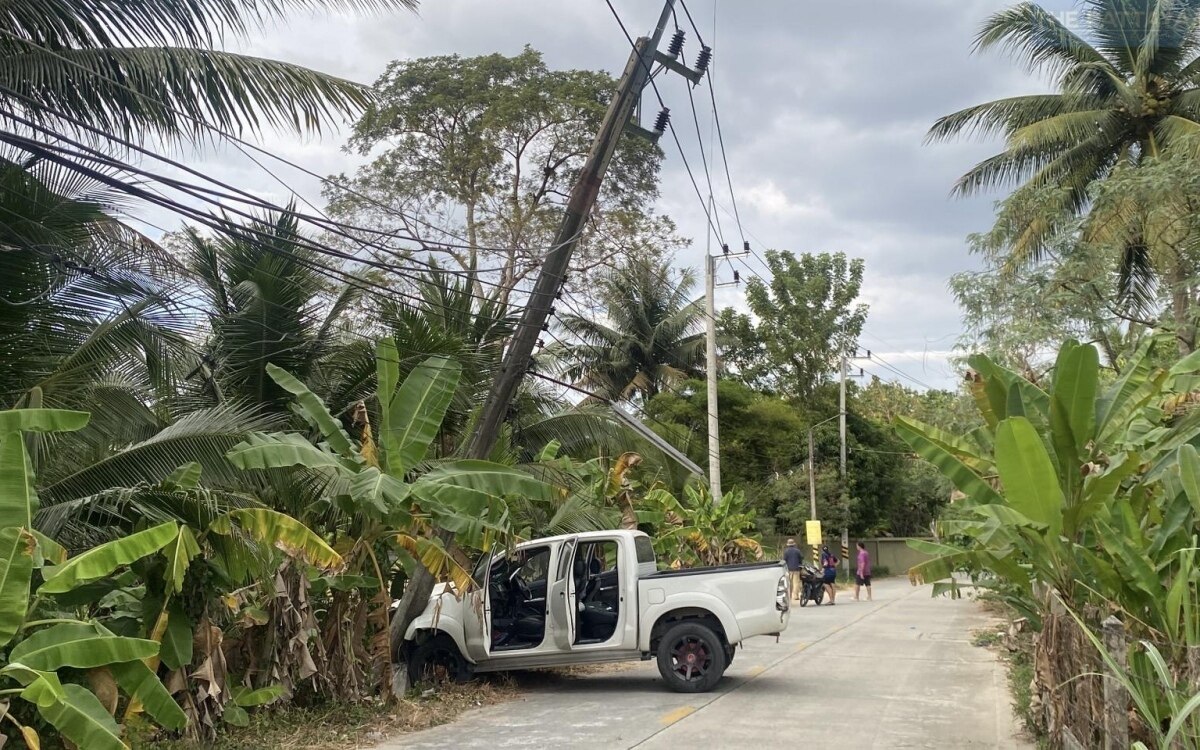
<point x="554" y="268"/>
<point x="714" y="438"/>
<point x="842" y="418"/>
<point x="710" y="309"/>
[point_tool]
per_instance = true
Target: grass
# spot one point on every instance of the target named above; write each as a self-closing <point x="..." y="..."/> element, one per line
<point x="346" y="726"/>
<point x="986" y="638"/>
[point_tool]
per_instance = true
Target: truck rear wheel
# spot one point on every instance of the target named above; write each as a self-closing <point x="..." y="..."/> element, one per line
<point x="691" y="658"/>
<point x="438" y="659"/>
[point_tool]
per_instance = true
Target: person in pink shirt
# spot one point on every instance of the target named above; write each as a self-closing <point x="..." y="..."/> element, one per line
<point x="862" y="575"/>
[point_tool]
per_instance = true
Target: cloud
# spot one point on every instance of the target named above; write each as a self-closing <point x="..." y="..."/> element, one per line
<point x="770" y="202"/>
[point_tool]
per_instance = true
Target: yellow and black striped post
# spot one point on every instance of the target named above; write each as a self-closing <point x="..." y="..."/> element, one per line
<point x="846" y="551"/>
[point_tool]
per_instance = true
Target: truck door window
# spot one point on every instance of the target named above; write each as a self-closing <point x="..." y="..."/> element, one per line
<point x="644" y="549"/>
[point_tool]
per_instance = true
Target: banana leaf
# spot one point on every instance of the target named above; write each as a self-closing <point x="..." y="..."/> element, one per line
<point x="101" y="561"/>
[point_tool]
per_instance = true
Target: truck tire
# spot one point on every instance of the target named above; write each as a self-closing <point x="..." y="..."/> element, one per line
<point x="691" y="658"/>
<point x="438" y="659"/>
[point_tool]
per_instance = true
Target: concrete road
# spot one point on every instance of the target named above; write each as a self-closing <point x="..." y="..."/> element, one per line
<point x="899" y="672"/>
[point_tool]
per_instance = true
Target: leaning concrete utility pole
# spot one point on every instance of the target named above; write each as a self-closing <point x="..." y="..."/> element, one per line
<point x="554" y="268"/>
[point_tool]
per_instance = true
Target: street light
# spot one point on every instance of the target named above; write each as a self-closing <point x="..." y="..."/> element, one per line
<point x="812" y="480"/>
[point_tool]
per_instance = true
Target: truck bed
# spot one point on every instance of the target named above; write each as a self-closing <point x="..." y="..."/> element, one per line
<point x="668" y="573"/>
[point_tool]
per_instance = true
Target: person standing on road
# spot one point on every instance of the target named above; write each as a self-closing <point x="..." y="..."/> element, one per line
<point x="829" y="563"/>
<point x="795" y="561"/>
<point x="862" y="574"/>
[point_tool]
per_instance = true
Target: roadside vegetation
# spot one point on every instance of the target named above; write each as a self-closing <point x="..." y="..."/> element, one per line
<point x="1079" y="490"/>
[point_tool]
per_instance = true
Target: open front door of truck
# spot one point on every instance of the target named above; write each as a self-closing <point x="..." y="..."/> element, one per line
<point x="562" y="596"/>
<point x="477" y="610"/>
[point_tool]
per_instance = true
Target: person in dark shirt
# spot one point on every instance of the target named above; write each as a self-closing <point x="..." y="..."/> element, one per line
<point x="829" y="563"/>
<point x="794" y="561"/>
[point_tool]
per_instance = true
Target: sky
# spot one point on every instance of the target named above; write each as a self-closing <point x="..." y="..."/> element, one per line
<point x="823" y="106"/>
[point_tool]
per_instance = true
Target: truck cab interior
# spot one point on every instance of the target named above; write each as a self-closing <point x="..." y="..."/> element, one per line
<point x="517" y="585"/>
<point x="597" y="591"/>
<point x="517" y="589"/>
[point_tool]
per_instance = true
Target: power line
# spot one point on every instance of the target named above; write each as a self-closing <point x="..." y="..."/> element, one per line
<point x="170" y="301"/>
<point x="895" y="372"/>
<point x="248" y="233"/>
<point x="211" y="196"/>
<point x="234" y="139"/>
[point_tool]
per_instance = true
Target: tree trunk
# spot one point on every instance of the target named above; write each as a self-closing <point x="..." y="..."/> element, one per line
<point x="412" y="604"/>
<point x="1181" y="308"/>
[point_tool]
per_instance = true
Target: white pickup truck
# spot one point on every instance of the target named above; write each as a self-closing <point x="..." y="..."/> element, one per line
<point x="597" y="597"/>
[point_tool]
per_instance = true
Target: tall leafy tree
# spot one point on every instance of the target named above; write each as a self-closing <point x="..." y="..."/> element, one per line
<point x="477" y="155"/>
<point x="762" y="435"/>
<point x="804" y="319"/>
<point x="647" y="338"/>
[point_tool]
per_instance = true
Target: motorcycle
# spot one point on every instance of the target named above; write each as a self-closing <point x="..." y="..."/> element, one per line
<point x="812" y="585"/>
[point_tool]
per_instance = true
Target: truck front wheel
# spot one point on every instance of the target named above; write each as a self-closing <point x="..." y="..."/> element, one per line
<point x="438" y="659"/>
<point x="691" y="658"/>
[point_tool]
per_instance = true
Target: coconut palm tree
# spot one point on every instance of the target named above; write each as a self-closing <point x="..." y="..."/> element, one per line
<point x="1127" y="91"/>
<point x="647" y="338"/>
<point x="266" y="302"/>
<point x="154" y="67"/>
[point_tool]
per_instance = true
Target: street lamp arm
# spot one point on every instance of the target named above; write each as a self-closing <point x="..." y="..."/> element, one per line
<point x="812" y="481"/>
<point x="825" y="421"/>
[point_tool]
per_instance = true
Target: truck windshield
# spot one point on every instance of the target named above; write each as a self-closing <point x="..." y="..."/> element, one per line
<point x="644" y="549"/>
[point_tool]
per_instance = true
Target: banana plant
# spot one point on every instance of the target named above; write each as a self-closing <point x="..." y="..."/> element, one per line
<point x="34" y="571"/>
<point x="38" y="576"/>
<point x="389" y="484"/>
<point x="1093" y="492"/>
<point x="697" y="532"/>
<point x="392" y="491"/>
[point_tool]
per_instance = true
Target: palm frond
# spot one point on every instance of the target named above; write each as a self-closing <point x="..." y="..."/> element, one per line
<point x="1136" y="278"/>
<point x="203" y="436"/>
<point x="1038" y="38"/>
<point x="173" y="91"/>
<point x="1003" y="116"/>
<point x="195" y="22"/>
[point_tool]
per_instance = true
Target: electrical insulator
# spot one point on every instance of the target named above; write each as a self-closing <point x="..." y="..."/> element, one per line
<point x="558" y="294"/>
<point x="541" y="343"/>
<point x="663" y="119"/>
<point x="545" y="326"/>
<point x="860" y="372"/>
<point x="676" y="45"/>
<point x="551" y="311"/>
<point x="703" y="59"/>
<point x="868" y="354"/>
<point x="745" y="246"/>
<point x="737" y="277"/>
<point x="725" y="248"/>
